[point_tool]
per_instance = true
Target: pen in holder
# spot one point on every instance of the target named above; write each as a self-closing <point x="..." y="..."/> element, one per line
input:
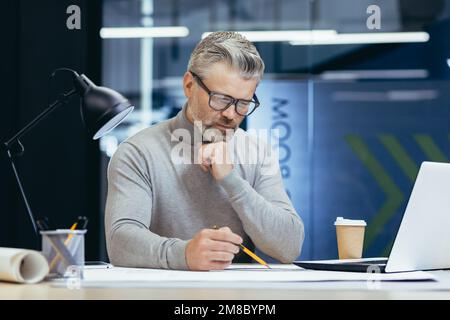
<point x="64" y="251"/>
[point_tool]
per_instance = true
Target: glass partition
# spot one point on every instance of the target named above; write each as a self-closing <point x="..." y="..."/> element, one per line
<point x="358" y="89"/>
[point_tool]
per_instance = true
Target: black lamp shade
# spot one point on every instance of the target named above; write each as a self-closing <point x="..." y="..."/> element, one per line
<point x="102" y="108"/>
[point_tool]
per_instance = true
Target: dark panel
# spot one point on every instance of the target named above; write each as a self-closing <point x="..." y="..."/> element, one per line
<point x="60" y="166"/>
<point x="8" y="119"/>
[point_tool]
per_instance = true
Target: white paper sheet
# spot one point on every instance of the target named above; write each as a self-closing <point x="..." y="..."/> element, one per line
<point x="258" y="267"/>
<point x="244" y="273"/>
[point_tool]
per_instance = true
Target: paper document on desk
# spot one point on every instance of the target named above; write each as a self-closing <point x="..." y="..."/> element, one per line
<point x="259" y="267"/>
<point x="245" y="273"/>
<point x="21" y="265"/>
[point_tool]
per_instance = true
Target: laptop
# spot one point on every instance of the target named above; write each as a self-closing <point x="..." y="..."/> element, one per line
<point x="423" y="239"/>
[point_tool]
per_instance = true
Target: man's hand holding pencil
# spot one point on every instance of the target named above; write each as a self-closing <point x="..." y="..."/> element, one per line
<point x="212" y="249"/>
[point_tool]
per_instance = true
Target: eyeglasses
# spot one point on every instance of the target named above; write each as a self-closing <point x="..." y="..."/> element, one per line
<point x="220" y="102"/>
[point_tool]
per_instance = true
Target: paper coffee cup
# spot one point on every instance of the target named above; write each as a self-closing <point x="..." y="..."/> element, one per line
<point x="350" y="237"/>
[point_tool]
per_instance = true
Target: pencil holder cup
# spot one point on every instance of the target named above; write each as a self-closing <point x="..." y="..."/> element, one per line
<point x="64" y="251"/>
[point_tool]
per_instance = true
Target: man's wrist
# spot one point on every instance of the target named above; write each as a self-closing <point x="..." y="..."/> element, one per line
<point x="233" y="184"/>
<point x="177" y="255"/>
<point x="222" y="173"/>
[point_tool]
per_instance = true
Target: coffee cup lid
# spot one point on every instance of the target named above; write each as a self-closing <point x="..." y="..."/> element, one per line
<point x="340" y="221"/>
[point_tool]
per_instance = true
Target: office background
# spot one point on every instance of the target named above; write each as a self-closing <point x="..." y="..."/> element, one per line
<point x="357" y="115"/>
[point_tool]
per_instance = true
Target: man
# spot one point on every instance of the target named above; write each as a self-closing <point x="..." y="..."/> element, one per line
<point x="160" y="211"/>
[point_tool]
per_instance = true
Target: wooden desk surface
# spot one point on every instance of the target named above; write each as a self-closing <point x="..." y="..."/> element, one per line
<point x="238" y="291"/>
<point x="46" y="292"/>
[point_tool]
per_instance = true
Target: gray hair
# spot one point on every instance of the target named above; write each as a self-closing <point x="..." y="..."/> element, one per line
<point x="230" y="47"/>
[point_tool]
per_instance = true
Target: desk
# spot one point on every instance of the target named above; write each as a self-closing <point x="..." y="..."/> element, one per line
<point x="238" y="291"/>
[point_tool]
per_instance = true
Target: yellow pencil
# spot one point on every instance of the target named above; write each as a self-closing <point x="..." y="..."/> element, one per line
<point x="73" y="227"/>
<point x="66" y="242"/>
<point x="251" y="254"/>
<point x="254" y="256"/>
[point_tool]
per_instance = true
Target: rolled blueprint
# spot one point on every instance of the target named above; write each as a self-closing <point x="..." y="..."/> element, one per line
<point x="22" y="265"/>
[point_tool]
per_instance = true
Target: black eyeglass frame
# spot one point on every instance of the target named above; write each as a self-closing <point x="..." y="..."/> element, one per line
<point x="233" y="100"/>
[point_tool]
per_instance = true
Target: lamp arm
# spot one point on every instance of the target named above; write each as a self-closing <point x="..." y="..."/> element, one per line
<point x="63" y="99"/>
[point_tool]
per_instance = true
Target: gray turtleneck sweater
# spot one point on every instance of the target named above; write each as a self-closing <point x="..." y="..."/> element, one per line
<point x="155" y="205"/>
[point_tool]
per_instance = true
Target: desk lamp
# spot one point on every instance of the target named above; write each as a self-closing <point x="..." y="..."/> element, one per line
<point x="102" y="109"/>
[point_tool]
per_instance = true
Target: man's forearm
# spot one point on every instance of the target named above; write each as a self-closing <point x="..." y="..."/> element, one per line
<point x="275" y="228"/>
<point x="133" y="245"/>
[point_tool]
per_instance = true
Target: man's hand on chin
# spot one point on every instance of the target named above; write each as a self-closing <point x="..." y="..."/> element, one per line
<point x="214" y="157"/>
